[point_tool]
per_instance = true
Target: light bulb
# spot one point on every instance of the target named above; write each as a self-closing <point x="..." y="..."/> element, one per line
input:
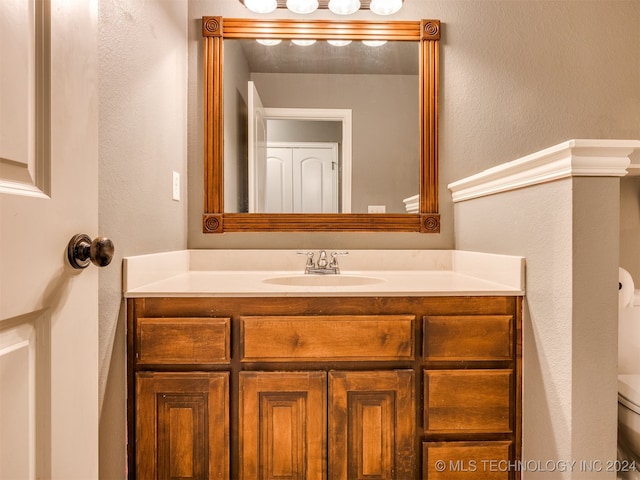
<point x="261" y="6"/>
<point x="269" y="42"/>
<point x="303" y="43"/>
<point x="302" y="6"/>
<point x="374" y="43"/>
<point x="344" y="7"/>
<point x="385" y="7"/>
<point x="338" y="43"/>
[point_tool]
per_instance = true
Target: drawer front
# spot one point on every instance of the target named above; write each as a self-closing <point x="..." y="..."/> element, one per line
<point x="467" y="401"/>
<point x="468" y="337"/>
<point x="333" y="337"/>
<point x="183" y="341"/>
<point x="467" y="461"/>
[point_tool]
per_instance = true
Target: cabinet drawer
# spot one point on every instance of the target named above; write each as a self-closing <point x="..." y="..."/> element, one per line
<point x="466" y="460"/>
<point x="468" y="337"/>
<point x="467" y="401"/>
<point x="334" y="337"/>
<point x="183" y="340"/>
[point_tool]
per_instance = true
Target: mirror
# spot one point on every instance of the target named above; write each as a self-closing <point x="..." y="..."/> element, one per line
<point x="355" y="169"/>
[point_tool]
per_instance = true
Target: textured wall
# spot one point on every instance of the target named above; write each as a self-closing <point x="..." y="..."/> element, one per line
<point x="630" y="226"/>
<point x="517" y="77"/>
<point x="142" y="135"/>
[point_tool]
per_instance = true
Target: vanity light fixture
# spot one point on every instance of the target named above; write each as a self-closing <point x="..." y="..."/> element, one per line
<point x="344" y="7"/>
<point x="269" y="42"/>
<point x="339" y="43"/>
<point x="385" y="7"/>
<point x="339" y="7"/>
<point x="374" y="43"/>
<point x="302" y="6"/>
<point x="303" y="42"/>
<point x="261" y="6"/>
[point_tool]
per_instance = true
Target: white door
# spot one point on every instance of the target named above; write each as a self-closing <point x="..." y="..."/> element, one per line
<point x="302" y="178"/>
<point x="48" y="193"/>
<point x="257" y="138"/>
<point x="279" y="187"/>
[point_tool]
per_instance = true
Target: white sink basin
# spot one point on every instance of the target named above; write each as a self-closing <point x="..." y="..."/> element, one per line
<point x="323" y="280"/>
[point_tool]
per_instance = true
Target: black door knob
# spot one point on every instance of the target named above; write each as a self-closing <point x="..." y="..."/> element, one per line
<point x="81" y="251"/>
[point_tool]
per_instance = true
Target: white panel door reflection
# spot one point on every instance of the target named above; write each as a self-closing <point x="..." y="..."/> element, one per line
<point x="302" y="178"/>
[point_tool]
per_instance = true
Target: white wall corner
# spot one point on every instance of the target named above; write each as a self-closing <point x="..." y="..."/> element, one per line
<point x="573" y="158"/>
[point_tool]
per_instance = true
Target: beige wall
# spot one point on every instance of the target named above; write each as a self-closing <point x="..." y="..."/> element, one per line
<point x="630" y="226"/>
<point x="517" y="77"/>
<point x="382" y="174"/>
<point x="142" y="135"/>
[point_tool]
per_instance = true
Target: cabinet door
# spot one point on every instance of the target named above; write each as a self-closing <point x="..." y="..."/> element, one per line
<point x="371" y="425"/>
<point x="282" y="430"/>
<point x="182" y="425"/>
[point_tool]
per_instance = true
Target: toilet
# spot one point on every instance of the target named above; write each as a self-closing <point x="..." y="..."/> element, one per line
<point x="628" y="376"/>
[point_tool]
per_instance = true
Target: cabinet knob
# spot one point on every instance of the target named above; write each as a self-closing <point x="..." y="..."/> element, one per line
<point x="81" y="251"/>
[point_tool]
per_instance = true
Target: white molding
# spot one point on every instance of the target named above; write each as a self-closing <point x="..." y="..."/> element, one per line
<point x="573" y="158"/>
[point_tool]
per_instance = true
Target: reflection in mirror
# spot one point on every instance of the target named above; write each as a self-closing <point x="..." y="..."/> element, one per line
<point x="367" y="117"/>
<point x="378" y="85"/>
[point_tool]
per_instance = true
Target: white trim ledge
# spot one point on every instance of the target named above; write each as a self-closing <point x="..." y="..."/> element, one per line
<point x="573" y="158"/>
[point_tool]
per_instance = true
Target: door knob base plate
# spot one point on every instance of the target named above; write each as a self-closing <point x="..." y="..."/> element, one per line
<point x="81" y="251"/>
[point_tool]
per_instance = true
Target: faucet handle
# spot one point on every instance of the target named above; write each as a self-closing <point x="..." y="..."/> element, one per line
<point x="334" y="259"/>
<point x="309" y="256"/>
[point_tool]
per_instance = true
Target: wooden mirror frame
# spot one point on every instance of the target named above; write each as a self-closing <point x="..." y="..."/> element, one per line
<point x="216" y="29"/>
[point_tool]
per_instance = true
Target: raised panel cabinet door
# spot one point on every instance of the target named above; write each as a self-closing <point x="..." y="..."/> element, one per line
<point x="182" y="426"/>
<point x="282" y="431"/>
<point x="372" y="425"/>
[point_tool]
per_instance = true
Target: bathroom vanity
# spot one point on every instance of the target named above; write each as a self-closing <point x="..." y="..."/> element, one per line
<point x="408" y="371"/>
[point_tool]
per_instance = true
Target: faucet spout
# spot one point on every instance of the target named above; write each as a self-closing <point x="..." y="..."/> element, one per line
<point x="322" y="259"/>
<point x="323" y="265"/>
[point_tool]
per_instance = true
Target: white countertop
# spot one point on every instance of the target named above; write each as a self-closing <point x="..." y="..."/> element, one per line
<point x="250" y="273"/>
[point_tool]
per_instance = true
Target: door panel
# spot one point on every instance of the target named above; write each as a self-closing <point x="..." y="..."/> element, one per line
<point x="182" y="425"/>
<point x="282" y="425"/>
<point x="39" y="212"/>
<point x="279" y="189"/>
<point x="302" y="178"/>
<point x="257" y="138"/>
<point x="315" y="180"/>
<point x="24" y="119"/>
<point x="371" y="425"/>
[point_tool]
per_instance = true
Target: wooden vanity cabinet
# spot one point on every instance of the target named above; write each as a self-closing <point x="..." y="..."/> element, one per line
<point x="324" y="388"/>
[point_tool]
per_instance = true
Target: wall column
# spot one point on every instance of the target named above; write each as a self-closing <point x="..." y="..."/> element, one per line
<point x="559" y="208"/>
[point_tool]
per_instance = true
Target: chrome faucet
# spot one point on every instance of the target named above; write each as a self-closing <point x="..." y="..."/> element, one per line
<point x="323" y="266"/>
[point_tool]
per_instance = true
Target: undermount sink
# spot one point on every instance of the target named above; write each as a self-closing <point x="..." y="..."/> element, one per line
<point x="323" y="280"/>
